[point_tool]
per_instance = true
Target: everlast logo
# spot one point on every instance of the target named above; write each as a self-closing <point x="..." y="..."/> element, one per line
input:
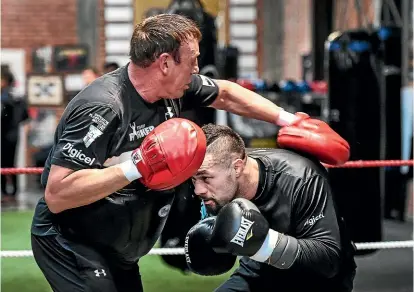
<point x="187" y="257"/>
<point x="75" y="153"/>
<point x="241" y="234"/>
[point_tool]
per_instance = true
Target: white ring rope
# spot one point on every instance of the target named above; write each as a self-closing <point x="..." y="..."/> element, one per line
<point x="180" y="251"/>
<point x="385" y="244"/>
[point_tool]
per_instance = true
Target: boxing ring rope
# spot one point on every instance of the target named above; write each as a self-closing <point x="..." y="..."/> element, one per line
<point x="349" y="164"/>
<point x="180" y="251"/>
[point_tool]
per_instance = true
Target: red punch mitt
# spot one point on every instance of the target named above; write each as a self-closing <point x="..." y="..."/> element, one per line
<point x="314" y="137"/>
<point x="168" y="156"/>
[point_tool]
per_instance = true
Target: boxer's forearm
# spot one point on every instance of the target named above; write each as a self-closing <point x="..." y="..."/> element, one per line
<point x="82" y="187"/>
<point x="319" y="257"/>
<point x="284" y="251"/>
<point x="241" y="101"/>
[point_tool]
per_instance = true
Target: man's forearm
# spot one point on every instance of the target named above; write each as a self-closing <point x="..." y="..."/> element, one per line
<point x="84" y="187"/>
<point x="241" y="101"/>
<point x="315" y="255"/>
<point x="283" y="251"/>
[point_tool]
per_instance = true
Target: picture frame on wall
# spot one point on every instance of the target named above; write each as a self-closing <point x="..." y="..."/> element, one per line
<point x="45" y="90"/>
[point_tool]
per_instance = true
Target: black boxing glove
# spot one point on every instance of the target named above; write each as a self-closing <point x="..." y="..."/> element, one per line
<point x="199" y="254"/>
<point x="242" y="230"/>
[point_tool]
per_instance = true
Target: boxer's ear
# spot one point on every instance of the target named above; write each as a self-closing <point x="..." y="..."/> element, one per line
<point x="164" y="62"/>
<point x="238" y="166"/>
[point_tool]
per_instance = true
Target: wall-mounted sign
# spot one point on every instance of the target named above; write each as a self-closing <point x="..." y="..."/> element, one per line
<point x="45" y="90"/>
<point x="70" y="58"/>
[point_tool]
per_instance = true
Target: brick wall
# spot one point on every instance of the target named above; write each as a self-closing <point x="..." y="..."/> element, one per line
<point x="101" y="53"/>
<point x="297" y="29"/>
<point x="346" y="15"/>
<point x="297" y="36"/>
<point x="29" y="24"/>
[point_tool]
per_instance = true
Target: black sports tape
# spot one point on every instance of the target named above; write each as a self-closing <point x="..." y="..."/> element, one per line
<point x="285" y="252"/>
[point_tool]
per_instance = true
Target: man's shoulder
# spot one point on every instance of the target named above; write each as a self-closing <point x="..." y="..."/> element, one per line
<point x="289" y="162"/>
<point x="104" y="91"/>
<point x="101" y="90"/>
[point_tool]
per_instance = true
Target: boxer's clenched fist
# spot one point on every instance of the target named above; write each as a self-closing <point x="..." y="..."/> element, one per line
<point x="199" y="254"/>
<point x="240" y="229"/>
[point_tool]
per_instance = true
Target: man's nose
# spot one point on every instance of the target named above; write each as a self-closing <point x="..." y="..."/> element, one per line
<point x="199" y="188"/>
<point x="196" y="69"/>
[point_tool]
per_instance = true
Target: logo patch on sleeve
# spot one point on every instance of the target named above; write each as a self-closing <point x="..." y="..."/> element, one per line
<point x="91" y="136"/>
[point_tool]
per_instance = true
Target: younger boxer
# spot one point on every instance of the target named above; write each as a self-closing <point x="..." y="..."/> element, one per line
<point x="275" y="209"/>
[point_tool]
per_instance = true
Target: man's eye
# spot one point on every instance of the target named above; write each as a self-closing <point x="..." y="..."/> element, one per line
<point x="206" y="179"/>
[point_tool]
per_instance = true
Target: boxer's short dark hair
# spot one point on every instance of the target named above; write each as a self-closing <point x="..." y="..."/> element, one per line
<point x="229" y="144"/>
<point x="160" y="34"/>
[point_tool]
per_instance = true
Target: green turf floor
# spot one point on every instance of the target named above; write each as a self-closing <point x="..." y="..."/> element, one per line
<point x="22" y="274"/>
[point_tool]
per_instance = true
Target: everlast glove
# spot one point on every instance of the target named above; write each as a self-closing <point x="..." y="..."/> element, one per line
<point x="199" y="254"/>
<point x="242" y="230"/>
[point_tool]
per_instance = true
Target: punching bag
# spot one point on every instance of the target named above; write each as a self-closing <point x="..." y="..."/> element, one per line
<point x="391" y="82"/>
<point x="356" y="107"/>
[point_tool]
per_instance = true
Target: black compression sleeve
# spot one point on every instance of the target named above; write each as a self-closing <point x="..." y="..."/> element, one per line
<point x="317" y="230"/>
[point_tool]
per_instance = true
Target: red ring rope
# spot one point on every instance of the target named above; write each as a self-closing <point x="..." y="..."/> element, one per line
<point x="349" y="164"/>
<point x="23" y="170"/>
<point x="373" y="163"/>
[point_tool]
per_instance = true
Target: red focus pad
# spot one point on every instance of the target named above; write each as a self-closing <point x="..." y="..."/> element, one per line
<point x="316" y="138"/>
<point x="171" y="154"/>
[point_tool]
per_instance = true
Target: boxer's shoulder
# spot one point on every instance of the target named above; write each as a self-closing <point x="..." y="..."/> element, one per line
<point x="100" y="93"/>
<point x="287" y="162"/>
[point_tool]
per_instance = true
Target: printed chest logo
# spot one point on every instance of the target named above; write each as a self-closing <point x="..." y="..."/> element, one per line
<point x="164" y="211"/>
<point x="242" y="234"/>
<point x="169" y="114"/>
<point x="77" y="154"/>
<point x="139" y="132"/>
<point x="99" y="273"/>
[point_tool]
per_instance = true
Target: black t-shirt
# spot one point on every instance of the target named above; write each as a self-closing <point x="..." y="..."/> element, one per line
<point x="295" y="197"/>
<point x="99" y="128"/>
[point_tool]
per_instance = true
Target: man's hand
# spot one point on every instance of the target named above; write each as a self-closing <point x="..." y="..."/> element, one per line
<point x="240" y="229"/>
<point x="168" y="156"/>
<point x="199" y="254"/>
<point x="315" y="137"/>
